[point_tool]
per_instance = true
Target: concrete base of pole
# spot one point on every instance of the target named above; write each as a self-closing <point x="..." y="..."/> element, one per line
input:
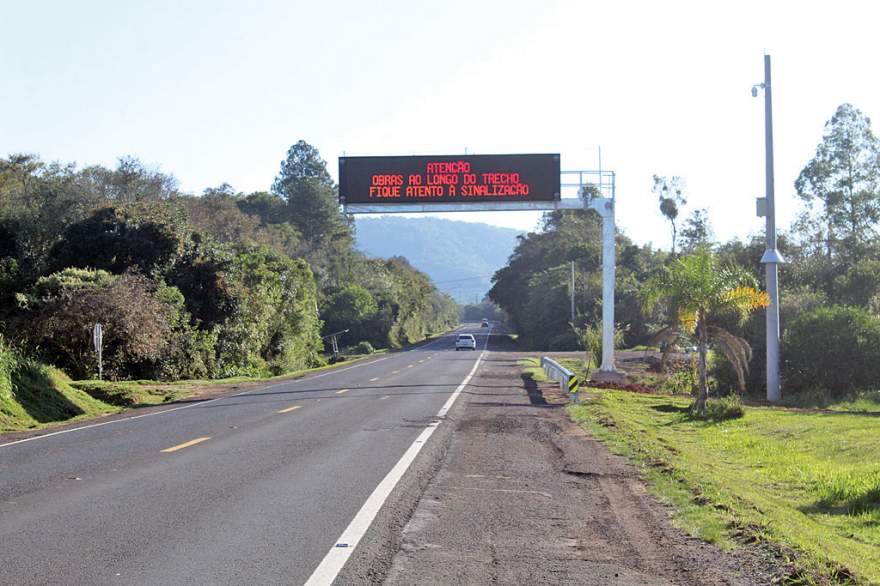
<point x="608" y="376"/>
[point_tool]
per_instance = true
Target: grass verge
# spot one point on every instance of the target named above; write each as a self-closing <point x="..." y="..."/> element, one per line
<point x="144" y="393"/>
<point x="807" y="484"/>
<point x="37" y="396"/>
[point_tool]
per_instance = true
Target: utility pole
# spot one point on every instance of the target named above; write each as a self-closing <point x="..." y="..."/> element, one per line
<point x="571" y="289"/>
<point x="771" y="258"/>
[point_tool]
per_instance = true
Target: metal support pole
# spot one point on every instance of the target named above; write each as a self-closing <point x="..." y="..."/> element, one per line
<point x="608" y="262"/>
<point x="771" y="258"/>
<point x="571" y="291"/>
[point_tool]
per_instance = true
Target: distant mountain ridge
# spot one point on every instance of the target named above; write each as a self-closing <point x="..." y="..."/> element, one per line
<point x="460" y="257"/>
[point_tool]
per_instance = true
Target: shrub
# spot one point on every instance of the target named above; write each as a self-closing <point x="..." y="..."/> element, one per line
<point x="590" y="339"/>
<point x="119" y="394"/>
<point x="363" y="347"/>
<point x="681" y="382"/>
<point x="835" y="348"/>
<point x="70" y="302"/>
<point x="7" y="364"/>
<point x="728" y="407"/>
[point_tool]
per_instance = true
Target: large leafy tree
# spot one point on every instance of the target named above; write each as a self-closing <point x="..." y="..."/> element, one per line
<point x="312" y="207"/>
<point x="148" y="238"/>
<point x="303" y="161"/>
<point x="698" y="289"/>
<point x="841" y="184"/>
<point x="130" y="182"/>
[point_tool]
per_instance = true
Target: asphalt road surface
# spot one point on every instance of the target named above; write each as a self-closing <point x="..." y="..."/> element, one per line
<point x="255" y="488"/>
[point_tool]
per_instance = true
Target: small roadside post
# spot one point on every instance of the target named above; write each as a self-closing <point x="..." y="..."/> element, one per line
<point x="573" y="388"/>
<point x="98" y="339"/>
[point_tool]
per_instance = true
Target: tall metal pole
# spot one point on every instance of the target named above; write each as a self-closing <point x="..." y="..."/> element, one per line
<point x="608" y="261"/>
<point x="572" y="293"/>
<point x="771" y="258"/>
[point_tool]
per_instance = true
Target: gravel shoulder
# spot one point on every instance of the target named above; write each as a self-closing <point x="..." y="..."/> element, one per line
<point x="524" y="496"/>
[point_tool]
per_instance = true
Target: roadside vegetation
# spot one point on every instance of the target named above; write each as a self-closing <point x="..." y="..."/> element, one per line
<point x="805" y="483"/>
<point x="716" y="346"/>
<point x="801" y="482"/>
<point x="215" y="286"/>
<point x="34" y="395"/>
<point x="802" y="478"/>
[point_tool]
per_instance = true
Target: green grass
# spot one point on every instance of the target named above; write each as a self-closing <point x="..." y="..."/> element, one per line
<point x="858" y="402"/>
<point x="144" y="393"/>
<point x="806" y="482"/>
<point x="532" y="367"/>
<point x="39" y="396"/>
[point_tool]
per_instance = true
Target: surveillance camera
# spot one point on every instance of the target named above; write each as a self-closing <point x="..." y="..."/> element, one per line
<point x="754" y="91"/>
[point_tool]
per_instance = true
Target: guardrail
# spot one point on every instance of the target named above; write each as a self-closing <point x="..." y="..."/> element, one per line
<point x="568" y="381"/>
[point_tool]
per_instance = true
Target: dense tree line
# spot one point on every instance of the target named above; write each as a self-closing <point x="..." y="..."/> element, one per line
<point x="534" y="288"/>
<point x="221" y="284"/>
<point x="830" y="286"/>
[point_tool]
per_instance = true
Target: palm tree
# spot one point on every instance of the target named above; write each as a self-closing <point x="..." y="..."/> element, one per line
<point x="696" y="288"/>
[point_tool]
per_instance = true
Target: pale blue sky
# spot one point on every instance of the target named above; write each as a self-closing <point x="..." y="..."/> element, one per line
<point x="216" y="91"/>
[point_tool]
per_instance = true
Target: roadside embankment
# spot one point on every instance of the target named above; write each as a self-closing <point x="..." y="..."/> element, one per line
<point x="34" y="395"/>
<point x="805" y="483"/>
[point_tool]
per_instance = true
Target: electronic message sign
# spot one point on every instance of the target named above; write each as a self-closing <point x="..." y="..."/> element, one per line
<point x="458" y="179"/>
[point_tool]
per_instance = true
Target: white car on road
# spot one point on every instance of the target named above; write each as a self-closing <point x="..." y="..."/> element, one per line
<point x="466" y="342"/>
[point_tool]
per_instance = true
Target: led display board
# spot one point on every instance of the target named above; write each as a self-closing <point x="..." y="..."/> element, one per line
<point x="457" y="179"/>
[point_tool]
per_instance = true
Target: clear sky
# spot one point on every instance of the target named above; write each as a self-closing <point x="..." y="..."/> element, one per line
<point x="216" y="91"/>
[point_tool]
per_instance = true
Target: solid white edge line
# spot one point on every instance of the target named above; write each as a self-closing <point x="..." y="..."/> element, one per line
<point x="333" y="562"/>
<point x="201" y="403"/>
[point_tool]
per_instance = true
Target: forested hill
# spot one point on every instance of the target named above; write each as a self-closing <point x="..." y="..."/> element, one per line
<point x="451" y="252"/>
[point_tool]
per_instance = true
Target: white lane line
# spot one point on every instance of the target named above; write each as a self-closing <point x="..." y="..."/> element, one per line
<point x="199" y="404"/>
<point x="332" y="564"/>
<point x="394" y="371"/>
<point x="385" y="397"/>
<point x="374" y="379"/>
<point x="289" y="409"/>
<point x="340" y="391"/>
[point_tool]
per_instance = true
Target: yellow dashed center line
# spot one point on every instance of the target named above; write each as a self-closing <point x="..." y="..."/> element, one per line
<point x="340" y="391"/>
<point x="198" y="440"/>
<point x="289" y="409"/>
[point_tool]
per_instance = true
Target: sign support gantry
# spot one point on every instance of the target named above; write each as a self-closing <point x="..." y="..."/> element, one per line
<point x="603" y="183"/>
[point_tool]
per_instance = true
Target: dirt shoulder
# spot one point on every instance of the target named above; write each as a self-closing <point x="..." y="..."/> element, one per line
<point x="524" y="496"/>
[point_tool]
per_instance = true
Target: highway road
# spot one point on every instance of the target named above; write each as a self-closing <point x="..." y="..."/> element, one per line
<point x="275" y="485"/>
